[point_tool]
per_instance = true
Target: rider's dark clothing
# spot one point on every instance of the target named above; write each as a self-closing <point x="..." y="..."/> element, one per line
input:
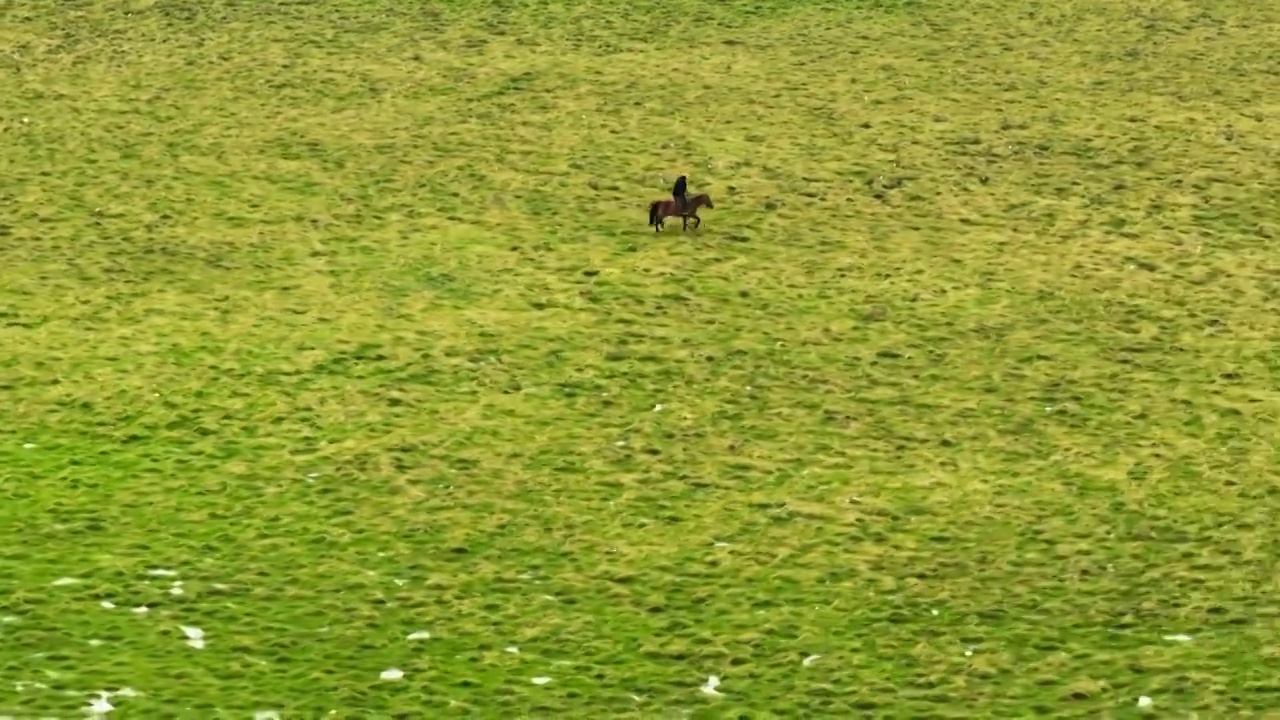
<point x="679" y="194"/>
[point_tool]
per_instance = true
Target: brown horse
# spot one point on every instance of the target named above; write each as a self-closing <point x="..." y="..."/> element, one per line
<point x="660" y="209"/>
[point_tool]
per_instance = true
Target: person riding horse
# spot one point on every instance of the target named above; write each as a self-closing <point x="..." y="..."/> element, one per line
<point x="680" y="205"/>
<point x="679" y="192"/>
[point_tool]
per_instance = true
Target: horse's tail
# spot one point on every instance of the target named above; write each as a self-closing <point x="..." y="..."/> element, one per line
<point x="653" y="212"/>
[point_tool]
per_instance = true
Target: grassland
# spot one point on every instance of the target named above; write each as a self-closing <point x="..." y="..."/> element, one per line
<point x="324" y="324"/>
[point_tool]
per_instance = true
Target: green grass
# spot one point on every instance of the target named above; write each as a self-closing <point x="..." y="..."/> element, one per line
<point x="347" y="313"/>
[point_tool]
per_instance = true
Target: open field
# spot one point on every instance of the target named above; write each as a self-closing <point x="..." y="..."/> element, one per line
<point x="328" y="324"/>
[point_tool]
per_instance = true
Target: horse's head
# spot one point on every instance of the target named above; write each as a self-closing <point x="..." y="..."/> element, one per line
<point x="706" y="200"/>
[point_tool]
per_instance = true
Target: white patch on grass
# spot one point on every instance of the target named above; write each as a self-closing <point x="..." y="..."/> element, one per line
<point x="657" y="408"/>
<point x="161" y="572"/>
<point x="108" y="604"/>
<point x="100" y="706"/>
<point x="392" y="674"/>
<point x="65" y="581"/>
<point x="266" y="715"/>
<point x="141" y="610"/>
<point x="541" y="680"/>
<point x="512" y="649"/>
<point x="1178" y="638"/>
<point x="95" y="643"/>
<point x="810" y="660"/>
<point x="195" y="636"/>
<point x="1145" y="702"/>
<point x="28" y="446"/>
<point x="419" y="635"/>
<point x="709" y="687"/>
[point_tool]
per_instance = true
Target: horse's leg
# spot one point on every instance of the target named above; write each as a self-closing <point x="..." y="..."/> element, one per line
<point x="684" y="223"/>
<point x="697" y="221"/>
